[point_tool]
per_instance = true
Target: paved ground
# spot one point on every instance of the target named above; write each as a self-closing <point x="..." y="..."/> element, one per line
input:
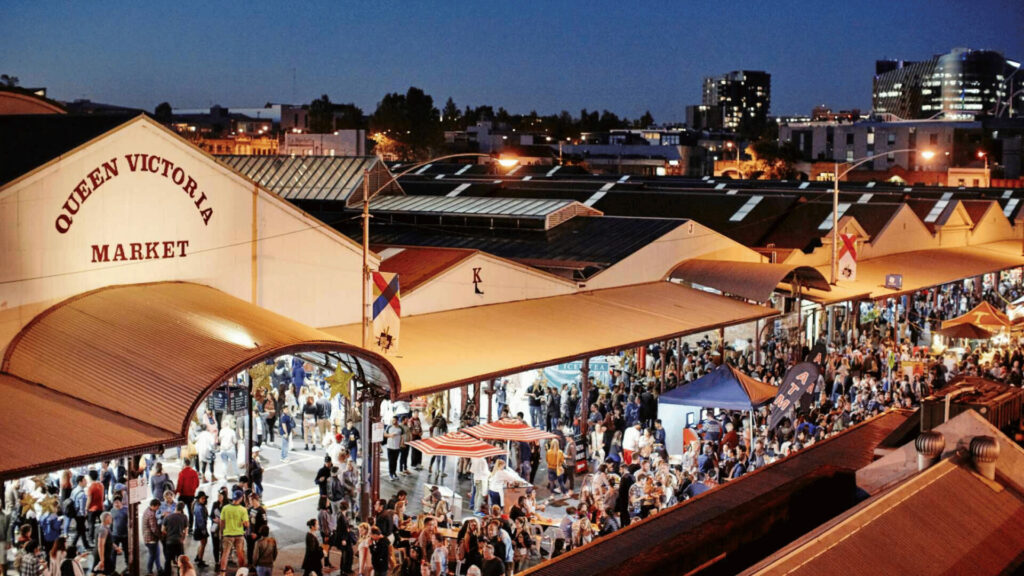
<point x="290" y="496"/>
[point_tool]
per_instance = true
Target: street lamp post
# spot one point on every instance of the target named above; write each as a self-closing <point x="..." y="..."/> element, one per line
<point x="927" y="154"/>
<point x="366" y="317"/>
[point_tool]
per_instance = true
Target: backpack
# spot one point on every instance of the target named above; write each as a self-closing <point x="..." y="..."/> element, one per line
<point x="68" y="507"/>
<point x="50" y="527"/>
<point x="336" y="490"/>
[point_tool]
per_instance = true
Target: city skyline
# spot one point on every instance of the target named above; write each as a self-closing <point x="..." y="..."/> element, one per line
<point x="525" y="57"/>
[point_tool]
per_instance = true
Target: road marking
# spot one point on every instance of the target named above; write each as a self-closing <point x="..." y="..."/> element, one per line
<point x="291" y="460"/>
<point x="279" y="487"/>
<point x="292" y="498"/>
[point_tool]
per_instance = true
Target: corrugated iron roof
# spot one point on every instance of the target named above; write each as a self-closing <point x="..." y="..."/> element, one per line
<point x="90" y="432"/>
<point x="416" y="265"/>
<point x="695" y="535"/>
<point x="752" y="280"/>
<point x="333" y="178"/>
<point x="151" y="352"/>
<point x="945" y="520"/>
<point x="468" y="205"/>
<point x="559" y="328"/>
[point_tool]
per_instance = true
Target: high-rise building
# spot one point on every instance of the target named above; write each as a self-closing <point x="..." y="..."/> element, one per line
<point x="962" y="83"/>
<point x="743" y="96"/>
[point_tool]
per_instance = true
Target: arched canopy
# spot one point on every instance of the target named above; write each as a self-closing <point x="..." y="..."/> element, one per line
<point x="751" y="280"/>
<point x="139" y="358"/>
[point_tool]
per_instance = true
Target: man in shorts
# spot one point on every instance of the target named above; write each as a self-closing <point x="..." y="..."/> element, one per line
<point x="236" y="519"/>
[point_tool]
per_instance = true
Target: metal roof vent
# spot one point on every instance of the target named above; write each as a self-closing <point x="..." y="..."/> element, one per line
<point x="929" y="447"/>
<point x="985" y="452"/>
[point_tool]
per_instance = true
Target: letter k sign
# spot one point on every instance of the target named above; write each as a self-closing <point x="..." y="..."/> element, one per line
<point x="477" y="281"/>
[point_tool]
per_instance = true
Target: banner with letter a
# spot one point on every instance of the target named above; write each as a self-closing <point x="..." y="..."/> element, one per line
<point x="795" y="392"/>
<point x="848" y="257"/>
<point x="387" y="311"/>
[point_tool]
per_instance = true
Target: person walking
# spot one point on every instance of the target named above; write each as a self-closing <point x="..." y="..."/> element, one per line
<point x="188" y="483"/>
<point x="200" y="527"/>
<point x="312" y="561"/>
<point x="174" y="529"/>
<point x="309" y="412"/>
<point x="229" y="449"/>
<point x="286" y="427"/>
<point x="265" y="555"/>
<point x="105" y="555"/>
<point x="235" y="519"/>
<point x="393" y="437"/>
<point x="151" y="537"/>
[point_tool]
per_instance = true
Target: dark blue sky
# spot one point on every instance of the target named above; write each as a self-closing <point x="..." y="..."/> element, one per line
<point x="623" y="56"/>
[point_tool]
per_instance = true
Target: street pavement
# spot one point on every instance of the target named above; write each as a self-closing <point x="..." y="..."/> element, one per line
<point x="290" y="496"/>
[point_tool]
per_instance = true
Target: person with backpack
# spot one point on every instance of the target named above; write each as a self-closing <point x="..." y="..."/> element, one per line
<point x="200" y="527"/>
<point x="337" y="492"/>
<point x="49" y="529"/>
<point x="265" y="555"/>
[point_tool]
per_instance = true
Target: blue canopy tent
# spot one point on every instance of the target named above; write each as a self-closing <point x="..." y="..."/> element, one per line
<point x="725" y="387"/>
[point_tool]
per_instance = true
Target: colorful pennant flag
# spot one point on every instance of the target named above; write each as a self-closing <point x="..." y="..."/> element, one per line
<point x="387" y="311"/>
<point x="848" y="257"/>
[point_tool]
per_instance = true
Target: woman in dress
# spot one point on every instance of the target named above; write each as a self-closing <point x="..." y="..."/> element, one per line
<point x="365" y="566"/>
<point x="312" y="562"/>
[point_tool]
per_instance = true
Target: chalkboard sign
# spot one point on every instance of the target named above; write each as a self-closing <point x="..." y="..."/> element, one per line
<point x="229" y="399"/>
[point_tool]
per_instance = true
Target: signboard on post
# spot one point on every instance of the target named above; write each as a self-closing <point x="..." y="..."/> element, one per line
<point x="894" y="281"/>
<point x="378" y="433"/>
<point x="228" y="399"/>
<point x="137" y="490"/>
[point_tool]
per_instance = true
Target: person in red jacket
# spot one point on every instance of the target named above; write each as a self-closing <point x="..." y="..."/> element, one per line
<point x="188" y="483"/>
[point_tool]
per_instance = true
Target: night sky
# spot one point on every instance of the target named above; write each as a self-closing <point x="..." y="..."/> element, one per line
<point x="545" y="56"/>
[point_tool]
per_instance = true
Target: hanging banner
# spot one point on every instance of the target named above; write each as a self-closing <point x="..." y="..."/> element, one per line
<point x="848" y="257"/>
<point x="795" y="392"/>
<point x="387" y="311"/>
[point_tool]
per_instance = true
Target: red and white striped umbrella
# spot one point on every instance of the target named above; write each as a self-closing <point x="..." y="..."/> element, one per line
<point x="509" y="429"/>
<point x="456" y="444"/>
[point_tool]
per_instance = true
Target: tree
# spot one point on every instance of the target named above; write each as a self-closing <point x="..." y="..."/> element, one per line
<point x="163" y="112"/>
<point x="409" y="119"/>
<point x="8" y="81"/>
<point x="348" y="117"/>
<point x="321" y="115"/>
<point x="775" y="161"/>
<point x="645" y="121"/>
<point x="451" y="116"/>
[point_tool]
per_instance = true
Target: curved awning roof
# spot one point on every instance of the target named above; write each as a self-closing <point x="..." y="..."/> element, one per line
<point x="129" y="364"/>
<point x="442" y="350"/>
<point x="751" y="280"/>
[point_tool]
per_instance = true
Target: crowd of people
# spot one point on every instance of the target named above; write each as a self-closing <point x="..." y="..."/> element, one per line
<point x="607" y="467"/>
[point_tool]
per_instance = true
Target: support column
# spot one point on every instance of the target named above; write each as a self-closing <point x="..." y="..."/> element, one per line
<point x="664" y="367"/>
<point x="490" y="399"/>
<point x="721" y="343"/>
<point x="757" y="342"/>
<point x="477" y="394"/>
<point x="679" y="360"/>
<point x="584" y="397"/>
<point x="248" y="439"/>
<point x="132" y="557"/>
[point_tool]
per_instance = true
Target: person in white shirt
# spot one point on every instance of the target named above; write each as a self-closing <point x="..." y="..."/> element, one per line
<point x="630" y="440"/>
<point x="229" y="448"/>
<point x="481" y="473"/>
<point x="501" y="477"/>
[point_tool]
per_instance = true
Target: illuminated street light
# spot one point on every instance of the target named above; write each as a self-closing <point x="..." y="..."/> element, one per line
<point x="926" y="154"/>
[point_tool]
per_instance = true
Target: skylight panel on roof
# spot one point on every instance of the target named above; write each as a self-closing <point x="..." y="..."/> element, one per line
<point x="939" y="207"/>
<point x="731" y="192"/>
<point x="525" y="178"/>
<point x="804" y="185"/>
<point x="826" y="224"/>
<point x="424" y="169"/>
<point x="746" y="208"/>
<point x="624" y="178"/>
<point x="865" y="198"/>
<point x="908" y="189"/>
<point x="439" y="177"/>
<point x="463" y="169"/>
<point x="870" y="185"/>
<point x="595" y="197"/>
<point x="607" y="186"/>
<point x="1010" y="206"/>
<point x="552" y="171"/>
<point x="514" y="170"/>
<point x="720" y="186"/>
<point x="458" y="190"/>
<point x="1007" y="194"/>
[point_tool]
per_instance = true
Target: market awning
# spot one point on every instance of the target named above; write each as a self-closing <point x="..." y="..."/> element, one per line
<point x="921" y="269"/>
<point x="725" y="387"/>
<point x="984" y="316"/>
<point x="128" y="365"/>
<point x="751" y="280"/>
<point x="446" y="349"/>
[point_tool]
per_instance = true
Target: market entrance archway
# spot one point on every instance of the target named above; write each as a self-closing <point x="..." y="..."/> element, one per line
<point x="139" y="357"/>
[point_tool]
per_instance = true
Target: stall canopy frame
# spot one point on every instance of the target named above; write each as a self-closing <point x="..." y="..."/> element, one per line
<point x="138" y="358"/>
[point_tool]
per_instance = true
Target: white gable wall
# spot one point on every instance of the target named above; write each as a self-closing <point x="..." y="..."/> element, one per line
<point x="500" y="281"/>
<point x="47" y="254"/>
<point x="656" y="260"/>
<point x="993" y="226"/>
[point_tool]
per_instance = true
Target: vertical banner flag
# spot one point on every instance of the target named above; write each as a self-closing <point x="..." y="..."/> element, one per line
<point x="848" y="257"/>
<point x="795" y="391"/>
<point x="387" y="310"/>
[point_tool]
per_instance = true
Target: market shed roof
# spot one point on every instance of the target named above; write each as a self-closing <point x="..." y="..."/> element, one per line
<point x="148" y="354"/>
<point x="548" y="331"/>
<point x="751" y="280"/>
<point x="315" y="178"/>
